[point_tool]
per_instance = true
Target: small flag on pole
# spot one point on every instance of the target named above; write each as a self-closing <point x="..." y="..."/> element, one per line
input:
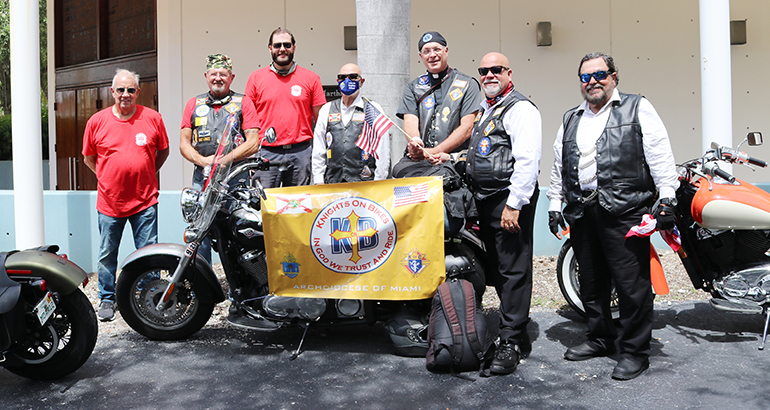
<point x="376" y="124"/>
<point x="410" y="194"/>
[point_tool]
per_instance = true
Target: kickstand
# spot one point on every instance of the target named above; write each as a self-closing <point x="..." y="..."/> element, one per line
<point x="306" y="325"/>
<point x="764" y="335"/>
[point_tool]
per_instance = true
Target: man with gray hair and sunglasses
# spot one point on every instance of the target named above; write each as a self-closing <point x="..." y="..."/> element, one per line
<point x="612" y="159"/>
<point x="124" y="145"/>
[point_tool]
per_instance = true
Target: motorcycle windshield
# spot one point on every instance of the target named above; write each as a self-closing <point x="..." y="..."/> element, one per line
<point x="214" y="190"/>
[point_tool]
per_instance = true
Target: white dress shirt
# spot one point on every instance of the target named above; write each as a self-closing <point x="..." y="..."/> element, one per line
<point x="320" y="149"/>
<point x="524" y="127"/>
<point x="657" y="149"/>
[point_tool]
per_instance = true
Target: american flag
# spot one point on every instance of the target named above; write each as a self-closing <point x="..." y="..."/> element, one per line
<point x="410" y="194"/>
<point x="376" y="124"/>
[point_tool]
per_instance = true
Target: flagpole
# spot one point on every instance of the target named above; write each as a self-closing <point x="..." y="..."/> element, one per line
<point x="408" y="137"/>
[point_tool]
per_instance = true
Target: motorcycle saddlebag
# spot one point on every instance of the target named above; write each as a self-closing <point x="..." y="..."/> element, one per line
<point x="408" y="333"/>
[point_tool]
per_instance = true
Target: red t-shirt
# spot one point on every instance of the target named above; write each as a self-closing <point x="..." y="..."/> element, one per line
<point x="125" y="159"/>
<point x="247" y="108"/>
<point x="286" y="103"/>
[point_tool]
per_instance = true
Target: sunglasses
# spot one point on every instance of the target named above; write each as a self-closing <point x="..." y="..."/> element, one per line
<point x="598" y="75"/>
<point x="496" y="70"/>
<point x="287" y="45"/>
<point x="354" y="77"/>
<point x="121" y="90"/>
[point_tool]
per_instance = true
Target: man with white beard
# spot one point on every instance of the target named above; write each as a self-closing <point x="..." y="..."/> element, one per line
<point x="503" y="165"/>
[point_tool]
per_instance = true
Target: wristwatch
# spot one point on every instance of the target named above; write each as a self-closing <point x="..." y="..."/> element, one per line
<point x="668" y="201"/>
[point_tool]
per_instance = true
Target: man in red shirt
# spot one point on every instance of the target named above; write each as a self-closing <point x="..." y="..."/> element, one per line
<point x="125" y="145"/>
<point x="204" y="119"/>
<point x="287" y="98"/>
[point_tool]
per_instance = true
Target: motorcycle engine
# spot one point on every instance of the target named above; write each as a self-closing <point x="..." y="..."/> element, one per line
<point x="255" y="264"/>
<point x="747" y="285"/>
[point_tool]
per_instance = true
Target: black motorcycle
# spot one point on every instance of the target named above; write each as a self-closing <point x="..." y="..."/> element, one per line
<point x="166" y="291"/>
<point x="48" y="327"/>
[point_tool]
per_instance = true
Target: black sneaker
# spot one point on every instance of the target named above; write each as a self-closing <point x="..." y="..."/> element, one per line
<point x="506" y="358"/>
<point x="107" y="311"/>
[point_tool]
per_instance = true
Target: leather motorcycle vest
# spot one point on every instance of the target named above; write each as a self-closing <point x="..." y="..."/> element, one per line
<point x="440" y="113"/>
<point x="623" y="176"/>
<point x="490" y="159"/>
<point x="208" y="124"/>
<point x="345" y="162"/>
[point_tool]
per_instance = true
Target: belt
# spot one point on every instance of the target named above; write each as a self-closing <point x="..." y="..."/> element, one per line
<point x="588" y="195"/>
<point x="289" y="146"/>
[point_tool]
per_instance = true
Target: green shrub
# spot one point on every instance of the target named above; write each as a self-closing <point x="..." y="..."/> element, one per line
<point x="6" y="144"/>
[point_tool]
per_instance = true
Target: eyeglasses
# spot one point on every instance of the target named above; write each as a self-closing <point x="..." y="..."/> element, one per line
<point x="354" y="77"/>
<point x="496" y="70"/>
<point x="121" y="90"/>
<point x="598" y="75"/>
<point x="287" y="45"/>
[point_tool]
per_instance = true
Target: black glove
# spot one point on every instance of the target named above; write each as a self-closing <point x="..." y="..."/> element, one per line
<point x="664" y="215"/>
<point x="555" y="220"/>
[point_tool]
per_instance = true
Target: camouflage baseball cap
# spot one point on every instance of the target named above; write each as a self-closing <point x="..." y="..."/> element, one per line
<point x="219" y="61"/>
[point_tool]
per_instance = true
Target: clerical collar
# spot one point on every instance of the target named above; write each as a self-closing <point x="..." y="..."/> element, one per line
<point x="496" y="99"/>
<point x="210" y="100"/>
<point x="436" y="78"/>
<point x="285" y="72"/>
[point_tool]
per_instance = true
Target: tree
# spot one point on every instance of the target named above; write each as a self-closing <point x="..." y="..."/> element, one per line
<point x="5" y="56"/>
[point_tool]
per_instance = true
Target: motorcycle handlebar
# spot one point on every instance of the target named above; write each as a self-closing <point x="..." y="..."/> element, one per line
<point x="713" y="169"/>
<point x="756" y="161"/>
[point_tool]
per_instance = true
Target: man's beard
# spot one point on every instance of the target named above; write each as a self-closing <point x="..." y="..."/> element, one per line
<point x="595" y="99"/>
<point x="288" y="55"/>
<point x="492" y="88"/>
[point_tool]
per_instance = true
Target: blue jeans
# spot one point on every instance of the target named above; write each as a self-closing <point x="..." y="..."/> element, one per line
<point x="144" y="225"/>
<point x="197" y="183"/>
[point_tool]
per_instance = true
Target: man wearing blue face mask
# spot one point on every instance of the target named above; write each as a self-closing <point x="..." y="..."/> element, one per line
<point x="336" y="158"/>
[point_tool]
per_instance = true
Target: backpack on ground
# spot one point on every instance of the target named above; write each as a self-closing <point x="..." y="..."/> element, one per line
<point x="457" y="330"/>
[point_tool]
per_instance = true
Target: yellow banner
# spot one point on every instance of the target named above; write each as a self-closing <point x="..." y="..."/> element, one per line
<point x="380" y="240"/>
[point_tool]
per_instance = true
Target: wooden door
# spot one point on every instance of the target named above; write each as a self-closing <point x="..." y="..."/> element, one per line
<point x="66" y="147"/>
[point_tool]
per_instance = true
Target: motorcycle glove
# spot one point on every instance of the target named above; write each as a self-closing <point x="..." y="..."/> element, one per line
<point x="664" y="215"/>
<point x="555" y="220"/>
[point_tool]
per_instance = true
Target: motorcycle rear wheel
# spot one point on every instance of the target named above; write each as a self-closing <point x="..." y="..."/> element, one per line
<point x="568" y="275"/>
<point x="71" y="331"/>
<point x="139" y="292"/>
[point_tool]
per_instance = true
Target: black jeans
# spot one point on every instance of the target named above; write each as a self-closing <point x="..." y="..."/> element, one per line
<point x="606" y="257"/>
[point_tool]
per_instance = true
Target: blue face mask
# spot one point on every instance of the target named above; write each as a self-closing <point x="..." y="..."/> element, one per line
<point x="348" y="86"/>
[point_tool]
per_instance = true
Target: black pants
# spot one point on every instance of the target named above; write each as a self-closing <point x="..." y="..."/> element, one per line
<point x="509" y="262"/>
<point x="605" y="256"/>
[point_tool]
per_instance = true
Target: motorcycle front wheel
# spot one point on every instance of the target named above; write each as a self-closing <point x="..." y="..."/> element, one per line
<point x="138" y="294"/>
<point x="63" y="344"/>
<point x="568" y="274"/>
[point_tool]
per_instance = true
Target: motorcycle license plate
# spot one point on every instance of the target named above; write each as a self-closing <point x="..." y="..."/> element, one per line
<point x="45" y="308"/>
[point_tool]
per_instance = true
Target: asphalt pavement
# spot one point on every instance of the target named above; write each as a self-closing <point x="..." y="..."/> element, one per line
<point x="701" y="359"/>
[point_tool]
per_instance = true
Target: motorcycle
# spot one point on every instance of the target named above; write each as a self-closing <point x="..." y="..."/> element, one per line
<point x="167" y="292"/>
<point x="48" y="327"/>
<point x="724" y="224"/>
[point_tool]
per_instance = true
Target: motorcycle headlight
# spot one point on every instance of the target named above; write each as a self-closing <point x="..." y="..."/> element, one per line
<point x="191" y="205"/>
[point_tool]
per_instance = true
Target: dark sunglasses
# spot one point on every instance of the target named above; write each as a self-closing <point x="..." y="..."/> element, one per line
<point x="598" y="75"/>
<point x="354" y="77"/>
<point x="121" y="90"/>
<point x="496" y="70"/>
<point x="287" y="45"/>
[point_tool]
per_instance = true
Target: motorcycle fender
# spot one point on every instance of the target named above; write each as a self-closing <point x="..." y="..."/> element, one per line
<point x="60" y="274"/>
<point x="204" y="280"/>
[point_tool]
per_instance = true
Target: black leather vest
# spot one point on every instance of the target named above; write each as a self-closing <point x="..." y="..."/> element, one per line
<point x="345" y="162"/>
<point x="623" y="176"/>
<point x="440" y="113"/>
<point x="208" y="124"/>
<point x="490" y="160"/>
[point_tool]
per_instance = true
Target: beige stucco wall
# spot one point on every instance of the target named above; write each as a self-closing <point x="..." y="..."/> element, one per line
<point x="655" y="44"/>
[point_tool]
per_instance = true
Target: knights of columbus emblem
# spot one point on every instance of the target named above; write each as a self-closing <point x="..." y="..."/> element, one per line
<point x="415" y="262"/>
<point x="290" y="266"/>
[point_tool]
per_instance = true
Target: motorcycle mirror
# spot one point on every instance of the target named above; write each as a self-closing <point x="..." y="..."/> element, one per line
<point x="755" y="138"/>
<point x="270" y="135"/>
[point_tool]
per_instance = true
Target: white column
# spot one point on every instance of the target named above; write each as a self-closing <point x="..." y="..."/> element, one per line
<point x="716" y="76"/>
<point x="170" y="102"/>
<point x="25" y="109"/>
<point x="383" y="55"/>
